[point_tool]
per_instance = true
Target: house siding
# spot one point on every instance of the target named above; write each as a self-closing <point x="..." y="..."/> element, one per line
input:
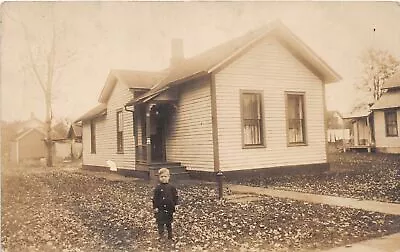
<point x="384" y="143"/>
<point x="106" y="133"/>
<point x="271" y="68"/>
<point x="190" y="134"/>
<point x="31" y="146"/>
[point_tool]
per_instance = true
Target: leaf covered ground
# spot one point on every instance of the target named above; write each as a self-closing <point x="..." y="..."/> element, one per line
<point x="71" y="210"/>
<point x="371" y="176"/>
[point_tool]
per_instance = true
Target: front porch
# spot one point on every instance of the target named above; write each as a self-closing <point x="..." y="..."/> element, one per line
<point x="362" y="134"/>
<point x="151" y="128"/>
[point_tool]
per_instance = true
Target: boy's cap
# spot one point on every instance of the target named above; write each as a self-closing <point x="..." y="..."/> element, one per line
<point x="163" y="171"/>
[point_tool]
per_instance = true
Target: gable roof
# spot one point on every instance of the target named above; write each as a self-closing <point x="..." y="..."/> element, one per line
<point x="388" y="100"/>
<point x="76" y="130"/>
<point x="27" y="132"/>
<point x="218" y="57"/>
<point x="130" y="78"/>
<point x="97" y="111"/>
<point x="393" y="81"/>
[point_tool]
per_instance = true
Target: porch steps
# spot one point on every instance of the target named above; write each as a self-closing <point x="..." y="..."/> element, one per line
<point x="177" y="171"/>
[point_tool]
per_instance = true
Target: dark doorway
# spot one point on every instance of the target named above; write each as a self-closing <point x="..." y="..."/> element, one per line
<point x="159" y="119"/>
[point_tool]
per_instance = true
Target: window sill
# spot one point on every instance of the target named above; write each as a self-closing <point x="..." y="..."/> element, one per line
<point x="120" y="152"/>
<point x="393" y="136"/>
<point x="253" y="146"/>
<point x="296" y="144"/>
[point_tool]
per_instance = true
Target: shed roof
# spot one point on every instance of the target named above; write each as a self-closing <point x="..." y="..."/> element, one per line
<point x="388" y="100"/>
<point x="215" y="58"/>
<point x="393" y="81"/>
<point x="99" y="110"/>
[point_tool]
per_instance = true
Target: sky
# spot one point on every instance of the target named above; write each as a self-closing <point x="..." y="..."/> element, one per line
<point x="93" y="37"/>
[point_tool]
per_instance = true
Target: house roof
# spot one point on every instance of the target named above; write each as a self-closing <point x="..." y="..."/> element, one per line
<point x="26" y="132"/>
<point x="216" y="58"/>
<point x="393" y="81"/>
<point x="361" y="111"/>
<point x="130" y="78"/>
<point x="388" y="100"/>
<point x="99" y="110"/>
<point x="76" y="129"/>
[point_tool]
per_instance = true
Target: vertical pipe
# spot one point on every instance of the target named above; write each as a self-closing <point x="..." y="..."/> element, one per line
<point x="148" y="134"/>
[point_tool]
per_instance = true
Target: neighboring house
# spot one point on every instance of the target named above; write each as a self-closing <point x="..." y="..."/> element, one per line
<point x="75" y="133"/>
<point x="75" y="137"/>
<point x="386" y="114"/>
<point x="28" y="144"/>
<point x="252" y="103"/>
<point x="362" y="129"/>
<point x="25" y="140"/>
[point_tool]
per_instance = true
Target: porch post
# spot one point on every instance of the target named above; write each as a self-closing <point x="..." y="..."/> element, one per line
<point x="369" y="135"/>
<point x="135" y="116"/>
<point x="148" y="133"/>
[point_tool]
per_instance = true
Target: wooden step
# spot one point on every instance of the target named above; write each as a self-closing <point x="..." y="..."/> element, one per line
<point x="176" y="172"/>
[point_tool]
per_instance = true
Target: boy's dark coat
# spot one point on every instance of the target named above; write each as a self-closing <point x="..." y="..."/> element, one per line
<point x="165" y="199"/>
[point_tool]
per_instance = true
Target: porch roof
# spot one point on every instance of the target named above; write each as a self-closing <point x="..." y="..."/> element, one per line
<point x="97" y="111"/>
<point x="388" y="100"/>
<point x="358" y="113"/>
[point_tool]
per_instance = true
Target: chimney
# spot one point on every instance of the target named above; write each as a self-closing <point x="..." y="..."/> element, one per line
<point x="176" y="51"/>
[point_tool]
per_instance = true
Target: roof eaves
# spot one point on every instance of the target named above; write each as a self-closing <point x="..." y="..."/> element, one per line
<point x="27" y="132"/>
<point x="108" y="86"/>
<point x="237" y="52"/>
<point x="98" y="111"/>
<point x="329" y="75"/>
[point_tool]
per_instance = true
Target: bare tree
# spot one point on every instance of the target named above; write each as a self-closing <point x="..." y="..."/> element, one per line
<point x="378" y="66"/>
<point x="45" y="60"/>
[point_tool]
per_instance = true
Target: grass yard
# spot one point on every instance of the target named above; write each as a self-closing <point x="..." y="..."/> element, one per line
<point x="72" y="210"/>
<point x="372" y="176"/>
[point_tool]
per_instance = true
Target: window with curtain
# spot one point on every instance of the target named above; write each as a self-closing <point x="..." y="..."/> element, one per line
<point x="120" y="132"/>
<point x="295" y="119"/>
<point x="252" y="119"/>
<point x="92" y="137"/>
<point x="391" y="123"/>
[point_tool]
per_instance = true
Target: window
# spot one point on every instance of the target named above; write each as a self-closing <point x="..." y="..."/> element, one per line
<point x="252" y="119"/>
<point x="120" y="131"/>
<point x="92" y="137"/>
<point x="295" y="118"/>
<point x="391" y="123"/>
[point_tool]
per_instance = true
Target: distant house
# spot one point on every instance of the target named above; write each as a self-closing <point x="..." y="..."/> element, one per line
<point x="376" y="126"/>
<point x="386" y="114"/>
<point x="253" y="103"/>
<point x="26" y="140"/>
<point x="75" y="133"/>
<point x="362" y="129"/>
<point x="28" y="144"/>
<point x="75" y="137"/>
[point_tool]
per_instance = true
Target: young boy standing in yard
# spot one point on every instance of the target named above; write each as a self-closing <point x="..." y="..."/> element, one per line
<point x="165" y="199"/>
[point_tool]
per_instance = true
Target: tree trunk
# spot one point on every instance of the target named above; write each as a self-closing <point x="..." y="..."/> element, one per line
<point x="49" y="142"/>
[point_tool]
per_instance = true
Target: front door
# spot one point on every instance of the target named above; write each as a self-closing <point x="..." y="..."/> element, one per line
<point x="158" y="133"/>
